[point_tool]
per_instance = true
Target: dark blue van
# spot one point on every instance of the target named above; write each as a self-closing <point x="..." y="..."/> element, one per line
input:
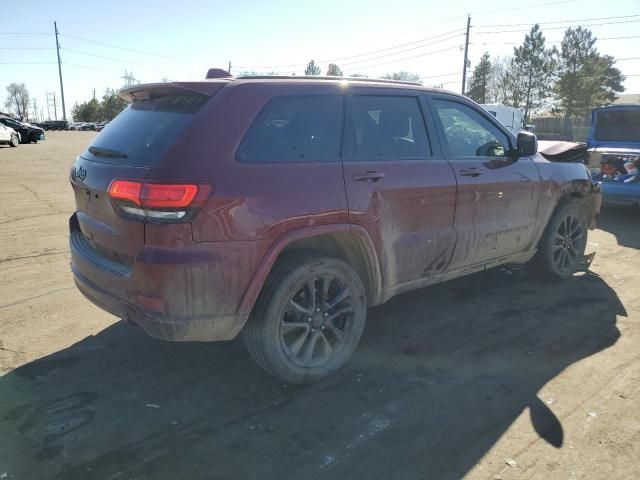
<point x="614" y="153"/>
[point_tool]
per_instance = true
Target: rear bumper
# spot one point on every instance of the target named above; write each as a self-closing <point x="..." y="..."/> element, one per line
<point x="196" y="329"/>
<point x="171" y="297"/>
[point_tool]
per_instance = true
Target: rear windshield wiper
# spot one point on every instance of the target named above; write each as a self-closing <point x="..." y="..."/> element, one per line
<point x="107" y="152"/>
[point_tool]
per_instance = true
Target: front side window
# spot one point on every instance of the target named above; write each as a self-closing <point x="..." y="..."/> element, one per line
<point x="388" y="128"/>
<point x="468" y="133"/>
<point x="296" y="129"/>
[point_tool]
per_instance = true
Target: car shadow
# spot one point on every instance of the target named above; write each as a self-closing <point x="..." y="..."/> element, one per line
<point x="440" y="374"/>
<point x="623" y="222"/>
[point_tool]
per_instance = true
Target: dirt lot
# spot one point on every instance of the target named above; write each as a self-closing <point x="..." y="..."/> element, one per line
<point x="491" y="376"/>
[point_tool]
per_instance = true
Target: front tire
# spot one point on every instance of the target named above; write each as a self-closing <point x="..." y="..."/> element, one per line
<point x="15" y="141"/>
<point x="308" y="319"/>
<point x="562" y="246"/>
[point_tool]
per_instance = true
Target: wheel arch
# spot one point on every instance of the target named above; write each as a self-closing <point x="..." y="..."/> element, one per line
<point x="348" y="242"/>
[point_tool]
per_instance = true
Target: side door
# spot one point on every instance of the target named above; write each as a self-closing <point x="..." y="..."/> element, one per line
<point x="5" y="134"/>
<point x="498" y="193"/>
<point x="399" y="187"/>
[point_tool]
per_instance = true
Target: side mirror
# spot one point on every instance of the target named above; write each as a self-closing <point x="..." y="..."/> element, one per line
<point x="527" y="144"/>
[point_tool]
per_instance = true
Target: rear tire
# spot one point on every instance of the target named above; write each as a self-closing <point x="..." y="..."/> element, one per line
<point x="562" y="246"/>
<point x="15" y="141"/>
<point x="308" y="319"/>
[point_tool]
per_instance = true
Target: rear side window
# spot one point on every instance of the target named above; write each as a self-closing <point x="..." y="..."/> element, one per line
<point x="387" y="128"/>
<point x="142" y="133"/>
<point x="296" y="129"/>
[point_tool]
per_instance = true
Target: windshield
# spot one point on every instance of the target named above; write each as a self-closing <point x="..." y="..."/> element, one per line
<point x="617" y="126"/>
<point x="145" y="130"/>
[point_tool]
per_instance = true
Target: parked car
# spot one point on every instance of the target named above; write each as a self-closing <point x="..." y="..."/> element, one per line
<point x="100" y="126"/>
<point x="28" y="133"/>
<point x="510" y="117"/>
<point x="9" y="136"/>
<point x="614" y="153"/>
<point x="284" y="207"/>
<point x="56" y="125"/>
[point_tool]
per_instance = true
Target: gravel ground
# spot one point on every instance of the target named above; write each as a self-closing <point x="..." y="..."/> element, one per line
<point x="492" y="376"/>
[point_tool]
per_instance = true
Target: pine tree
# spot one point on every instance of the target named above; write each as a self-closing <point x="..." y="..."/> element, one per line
<point x="334" y="70"/>
<point x="532" y="73"/>
<point x="480" y="80"/>
<point x="312" y="69"/>
<point x="587" y="79"/>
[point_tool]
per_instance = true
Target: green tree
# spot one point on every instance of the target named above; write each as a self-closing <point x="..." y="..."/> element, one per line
<point x="586" y="78"/>
<point x="533" y="69"/>
<point x="312" y="69"/>
<point x="479" y="83"/>
<point x="402" y="76"/>
<point x="334" y="70"/>
<point x="87" y="111"/>
<point x="111" y="104"/>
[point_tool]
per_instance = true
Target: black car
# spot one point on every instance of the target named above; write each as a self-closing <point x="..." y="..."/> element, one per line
<point x="56" y="125"/>
<point x="28" y="133"/>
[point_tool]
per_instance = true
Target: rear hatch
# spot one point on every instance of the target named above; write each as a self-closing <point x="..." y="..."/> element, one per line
<point x="129" y="148"/>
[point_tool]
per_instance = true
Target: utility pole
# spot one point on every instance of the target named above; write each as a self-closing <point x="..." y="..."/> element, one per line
<point x="466" y="51"/>
<point x="55" y="109"/>
<point x="35" y="109"/>
<point x="64" y="111"/>
<point x="229" y="69"/>
<point x="94" y="93"/>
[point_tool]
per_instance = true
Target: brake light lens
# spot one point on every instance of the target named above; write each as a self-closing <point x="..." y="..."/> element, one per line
<point x="158" y="201"/>
<point x="155" y="195"/>
<point x="124" y="190"/>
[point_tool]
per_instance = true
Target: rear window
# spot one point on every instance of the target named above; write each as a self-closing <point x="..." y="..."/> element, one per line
<point x="142" y="133"/>
<point x="618" y="126"/>
<point x="296" y="129"/>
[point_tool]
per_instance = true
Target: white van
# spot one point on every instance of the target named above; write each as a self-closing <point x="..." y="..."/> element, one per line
<point x="510" y="117"/>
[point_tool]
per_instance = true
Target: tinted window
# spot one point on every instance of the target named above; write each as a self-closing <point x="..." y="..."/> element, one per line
<point x="296" y="129"/>
<point x="468" y="133"/>
<point x="388" y="128"/>
<point x="618" y="126"/>
<point x="143" y="132"/>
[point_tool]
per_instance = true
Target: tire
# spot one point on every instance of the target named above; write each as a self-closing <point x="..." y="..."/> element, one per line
<point x="302" y="338"/>
<point x="562" y="246"/>
<point x="15" y="141"/>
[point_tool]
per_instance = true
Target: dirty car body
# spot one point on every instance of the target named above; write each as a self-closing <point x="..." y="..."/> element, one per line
<point x="614" y="140"/>
<point x="192" y="196"/>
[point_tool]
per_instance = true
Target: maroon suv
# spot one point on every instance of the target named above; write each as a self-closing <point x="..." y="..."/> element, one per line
<point x="284" y="207"/>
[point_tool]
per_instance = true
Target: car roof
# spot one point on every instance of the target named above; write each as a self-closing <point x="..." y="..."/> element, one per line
<point x="211" y="85"/>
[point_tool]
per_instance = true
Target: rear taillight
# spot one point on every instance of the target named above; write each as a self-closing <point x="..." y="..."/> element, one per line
<point x="159" y="201"/>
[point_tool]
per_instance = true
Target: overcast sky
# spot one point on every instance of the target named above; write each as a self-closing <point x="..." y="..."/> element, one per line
<point x="181" y="40"/>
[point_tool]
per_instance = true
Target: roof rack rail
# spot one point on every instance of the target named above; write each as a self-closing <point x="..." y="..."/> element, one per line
<point x="318" y="77"/>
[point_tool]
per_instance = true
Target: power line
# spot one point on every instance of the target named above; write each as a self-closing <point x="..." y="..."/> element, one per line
<point x="537" y="5"/>
<point x="410" y="58"/>
<point x="372" y="52"/>
<point x="107" y="58"/>
<point x="27" y="48"/>
<point x="24" y="33"/>
<point x="554" y="41"/>
<point x="559" y="21"/>
<point x="400" y="51"/>
<point x="455" y="32"/>
<point x="490" y="32"/>
<point x="120" y="48"/>
<point x="89" y="68"/>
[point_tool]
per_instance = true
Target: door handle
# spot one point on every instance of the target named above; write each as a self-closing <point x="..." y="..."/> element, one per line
<point x="470" y="172"/>
<point x="368" y="176"/>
